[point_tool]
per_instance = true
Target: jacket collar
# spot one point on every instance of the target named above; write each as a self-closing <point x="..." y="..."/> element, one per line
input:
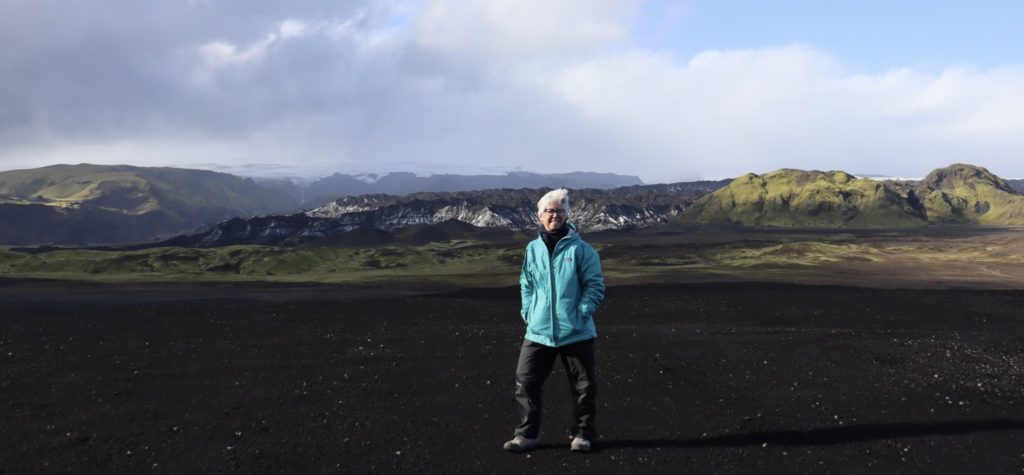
<point x="573" y="232"/>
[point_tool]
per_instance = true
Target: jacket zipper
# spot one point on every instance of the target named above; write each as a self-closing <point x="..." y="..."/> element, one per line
<point x="554" y="296"/>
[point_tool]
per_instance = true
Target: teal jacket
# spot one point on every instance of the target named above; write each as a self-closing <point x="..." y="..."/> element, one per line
<point x="561" y="292"/>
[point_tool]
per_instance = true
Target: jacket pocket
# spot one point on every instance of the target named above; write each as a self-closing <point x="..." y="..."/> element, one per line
<point x="541" y="325"/>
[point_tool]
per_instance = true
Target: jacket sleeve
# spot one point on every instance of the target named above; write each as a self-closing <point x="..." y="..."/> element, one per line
<point x="526" y="286"/>
<point x="592" y="281"/>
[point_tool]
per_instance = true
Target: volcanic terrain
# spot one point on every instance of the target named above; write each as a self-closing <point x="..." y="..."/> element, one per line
<point x="703" y="377"/>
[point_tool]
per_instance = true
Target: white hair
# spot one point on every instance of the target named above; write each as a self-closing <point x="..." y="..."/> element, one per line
<point x="560" y="195"/>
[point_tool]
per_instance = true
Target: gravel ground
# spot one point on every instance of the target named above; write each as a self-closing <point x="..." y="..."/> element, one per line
<point x="706" y="378"/>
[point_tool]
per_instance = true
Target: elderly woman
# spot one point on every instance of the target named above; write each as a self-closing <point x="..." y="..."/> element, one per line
<point x="562" y="286"/>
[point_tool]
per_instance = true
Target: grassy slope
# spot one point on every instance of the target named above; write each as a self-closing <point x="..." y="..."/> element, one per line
<point x="803" y="198"/>
<point x="453" y="261"/>
<point x="65" y="185"/>
<point x="958" y="194"/>
<point x="83" y="204"/>
<point x="138" y="190"/>
<point x="991" y="256"/>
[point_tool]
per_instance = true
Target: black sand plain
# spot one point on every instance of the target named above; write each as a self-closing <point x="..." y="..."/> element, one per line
<point x="694" y="378"/>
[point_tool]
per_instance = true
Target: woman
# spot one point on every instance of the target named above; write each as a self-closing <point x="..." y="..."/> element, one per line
<point x="562" y="286"/>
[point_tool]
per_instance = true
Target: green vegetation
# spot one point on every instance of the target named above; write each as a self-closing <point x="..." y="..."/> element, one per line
<point x="908" y="248"/>
<point x="789" y="198"/>
<point x="450" y="261"/>
<point x="806" y="253"/>
<point x="138" y="190"/>
<point x="992" y="255"/>
<point x="958" y="194"/>
<point x="94" y="204"/>
<point x="966" y="194"/>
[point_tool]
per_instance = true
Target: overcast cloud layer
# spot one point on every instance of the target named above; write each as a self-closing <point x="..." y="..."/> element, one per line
<point x="307" y="88"/>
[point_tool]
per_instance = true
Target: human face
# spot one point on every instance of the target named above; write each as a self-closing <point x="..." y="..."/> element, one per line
<point x="552" y="216"/>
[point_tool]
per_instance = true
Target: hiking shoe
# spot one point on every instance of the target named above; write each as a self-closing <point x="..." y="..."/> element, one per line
<point x="521" y="444"/>
<point x="579" y="444"/>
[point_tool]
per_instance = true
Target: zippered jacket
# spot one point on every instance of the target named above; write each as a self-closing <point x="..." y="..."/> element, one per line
<point x="562" y="291"/>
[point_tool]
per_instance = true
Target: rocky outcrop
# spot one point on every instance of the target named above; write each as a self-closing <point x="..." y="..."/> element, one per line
<point x="593" y="210"/>
<point x="502" y="209"/>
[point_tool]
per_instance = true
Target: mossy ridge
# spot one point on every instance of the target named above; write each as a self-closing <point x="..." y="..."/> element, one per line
<point x="958" y="194"/>
<point x="451" y="259"/>
<point x="803" y="253"/>
<point x="83" y="204"/>
<point x="797" y="198"/>
<point x="968" y="194"/>
<point x="139" y="190"/>
<point x="110" y="188"/>
<point x="779" y="255"/>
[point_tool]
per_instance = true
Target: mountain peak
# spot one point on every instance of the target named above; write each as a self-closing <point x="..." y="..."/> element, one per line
<point x="959" y="176"/>
<point x="804" y="177"/>
<point x="963" y="193"/>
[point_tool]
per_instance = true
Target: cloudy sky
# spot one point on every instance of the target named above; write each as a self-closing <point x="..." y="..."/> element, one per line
<point x="667" y="90"/>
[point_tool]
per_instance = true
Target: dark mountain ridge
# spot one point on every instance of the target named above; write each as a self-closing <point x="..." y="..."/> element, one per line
<point x="88" y="204"/>
<point x="326" y="189"/>
<point x="121" y="209"/>
<point x="503" y="209"/>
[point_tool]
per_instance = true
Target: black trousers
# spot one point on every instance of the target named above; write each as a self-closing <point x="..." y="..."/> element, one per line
<point x="535" y="364"/>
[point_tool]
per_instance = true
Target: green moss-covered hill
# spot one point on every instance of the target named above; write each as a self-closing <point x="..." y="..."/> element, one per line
<point x="80" y="204"/>
<point x="804" y="198"/>
<point x="958" y="194"/>
<point x="966" y="194"/>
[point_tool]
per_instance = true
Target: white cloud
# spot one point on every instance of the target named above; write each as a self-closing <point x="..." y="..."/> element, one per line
<point x="726" y="112"/>
<point x="439" y="85"/>
<point x="220" y="53"/>
<point x="292" y="28"/>
<point x="520" y="29"/>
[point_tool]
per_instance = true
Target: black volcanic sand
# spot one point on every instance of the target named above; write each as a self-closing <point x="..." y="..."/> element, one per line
<point x="698" y="378"/>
